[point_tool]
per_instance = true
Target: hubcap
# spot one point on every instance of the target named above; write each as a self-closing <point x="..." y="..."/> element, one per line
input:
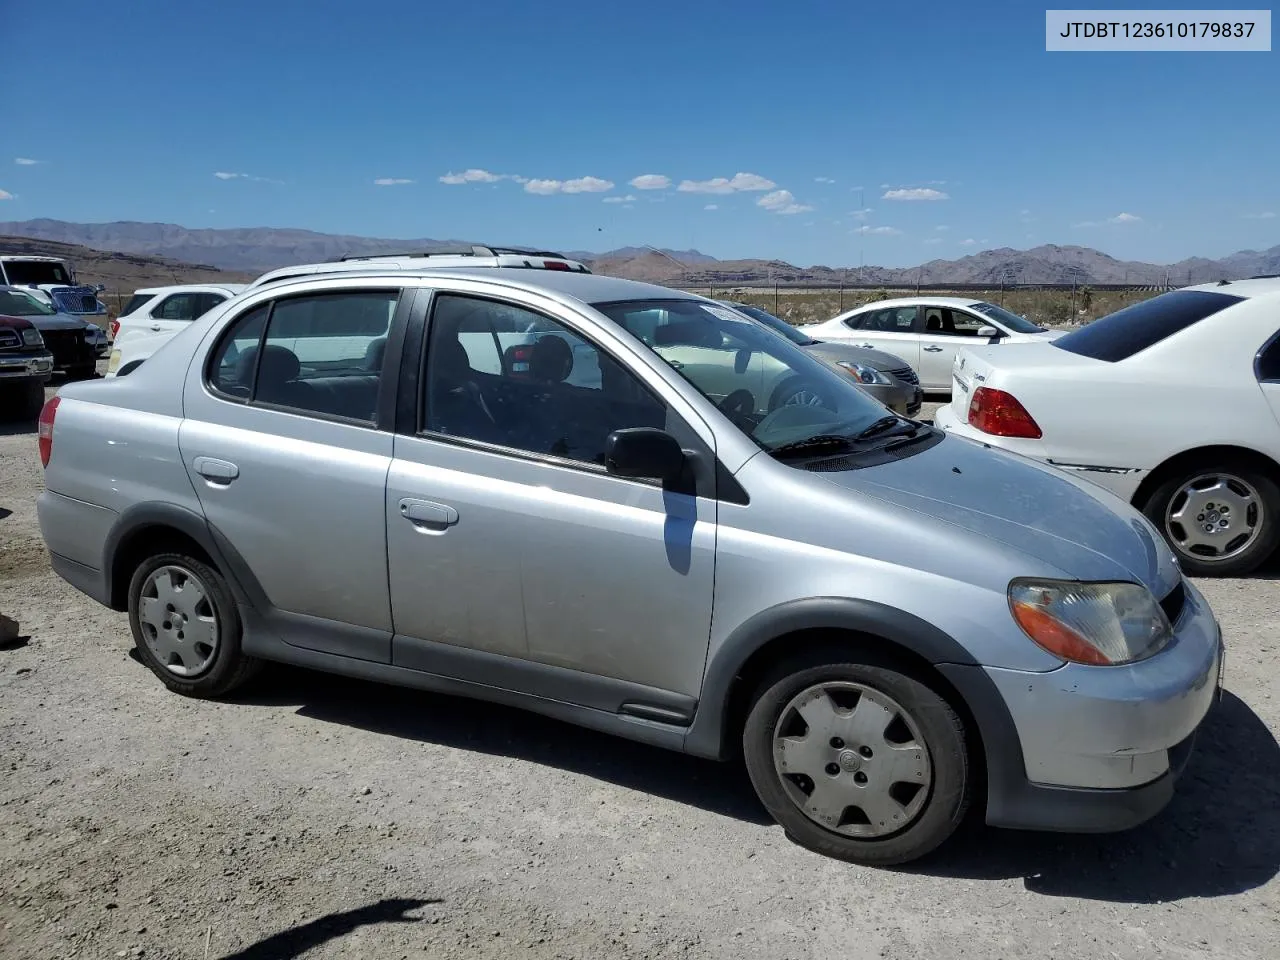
<point x="1214" y="517"/>
<point x="852" y="759"/>
<point x="178" y="621"/>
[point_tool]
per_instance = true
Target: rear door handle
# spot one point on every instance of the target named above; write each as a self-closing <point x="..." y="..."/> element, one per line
<point x="867" y="346"/>
<point x="932" y="349"/>
<point x="426" y="514"/>
<point x="216" y="471"/>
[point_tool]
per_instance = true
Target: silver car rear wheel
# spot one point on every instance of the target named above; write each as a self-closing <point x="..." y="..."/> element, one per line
<point x="1214" y="517"/>
<point x="179" y="621"/>
<point x="852" y="759"/>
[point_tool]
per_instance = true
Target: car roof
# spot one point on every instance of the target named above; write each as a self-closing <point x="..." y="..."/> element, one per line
<point x="1253" y="287"/>
<point x="189" y="287"/>
<point x="918" y="301"/>
<point x="30" y="256"/>
<point x="584" y="287"/>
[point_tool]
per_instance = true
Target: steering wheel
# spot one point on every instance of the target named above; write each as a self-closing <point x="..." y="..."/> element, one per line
<point x="739" y="404"/>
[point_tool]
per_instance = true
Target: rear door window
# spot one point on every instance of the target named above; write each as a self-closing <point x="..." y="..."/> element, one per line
<point x="1120" y="335"/>
<point x="179" y="306"/>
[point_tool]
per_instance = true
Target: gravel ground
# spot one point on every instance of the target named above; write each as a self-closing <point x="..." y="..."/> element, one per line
<point x="319" y="817"/>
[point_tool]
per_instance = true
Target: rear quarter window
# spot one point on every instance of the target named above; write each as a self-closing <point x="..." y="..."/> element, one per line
<point x="1120" y="335"/>
<point x="136" y="303"/>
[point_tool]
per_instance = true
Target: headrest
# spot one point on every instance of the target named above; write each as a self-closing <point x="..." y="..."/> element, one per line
<point x="448" y="356"/>
<point x="551" y="359"/>
<point x="374" y="352"/>
<point x="279" y="365"/>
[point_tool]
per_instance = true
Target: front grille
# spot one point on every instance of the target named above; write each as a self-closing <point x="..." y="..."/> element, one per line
<point x="905" y="374"/>
<point x="76" y="300"/>
<point x="1173" y="602"/>
<point x="68" y="347"/>
<point x="9" y="338"/>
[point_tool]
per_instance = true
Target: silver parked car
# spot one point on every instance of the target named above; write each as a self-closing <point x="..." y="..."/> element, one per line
<point x="355" y="474"/>
<point x="888" y="378"/>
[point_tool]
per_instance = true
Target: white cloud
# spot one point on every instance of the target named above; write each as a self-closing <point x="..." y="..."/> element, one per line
<point x="1265" y="215"/>
<point x="627" y="199"/>
<point x="860" y="214"/>
<point x="823" y="180"/>
<point x="1124" y="218"/>
<point x="391" y="181"/>
<point x="579" y="185"/>
<point x="474" y="175"/>
<point x="867" y="231"/>
<point x="915" y="193"/>
<point x="781" y="201"/>
<point x="1086" y="223"/>
<point x="26" y="161"/>
<point x="739" y="181"/>
<point x="5" y="195"/>
<point x="223" y="175"/>
<point x="933" y="240"/>
<point x="968" y="243"/>
<point x="651" y="181"/>
<point x="938" y="183"/>
<point x="942" y="228"/>
<point x="885" y="186"/>
<point x="712" y="206"/>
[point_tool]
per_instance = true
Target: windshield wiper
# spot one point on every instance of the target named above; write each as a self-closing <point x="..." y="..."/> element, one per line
<point x="808" y="445"/>
<point x="880" y="426"/>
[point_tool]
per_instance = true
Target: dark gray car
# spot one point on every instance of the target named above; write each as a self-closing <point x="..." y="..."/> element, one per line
<point x="888" y="378"/>
<point x="75" y="342"/>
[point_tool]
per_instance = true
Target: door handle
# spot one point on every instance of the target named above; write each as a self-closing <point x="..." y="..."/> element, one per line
<point x="932" y="349"/>
<point x="676" y="364"/>
<point x="867" y="346"/>
<point x="216" y="471"/>
<point x="426" y="514"/>
<point x="156" y="328"/>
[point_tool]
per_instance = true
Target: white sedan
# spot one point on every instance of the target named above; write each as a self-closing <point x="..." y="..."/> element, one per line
<point x="1172" y="404"/>
<point x="927" y="331"/>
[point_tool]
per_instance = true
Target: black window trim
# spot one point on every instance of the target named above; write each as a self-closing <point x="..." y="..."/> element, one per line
<point x="412" y="400"/>
<point x="1272" y="341"/>
<point x="384" y="418"/>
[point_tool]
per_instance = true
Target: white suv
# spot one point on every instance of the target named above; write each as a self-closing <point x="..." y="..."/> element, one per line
<point x="154" y="315"/>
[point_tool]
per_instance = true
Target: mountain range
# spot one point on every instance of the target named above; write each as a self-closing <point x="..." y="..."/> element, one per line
<point x="255" y="249"/>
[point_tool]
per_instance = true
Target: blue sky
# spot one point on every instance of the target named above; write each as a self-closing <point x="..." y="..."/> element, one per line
<point x="899" y="133"/>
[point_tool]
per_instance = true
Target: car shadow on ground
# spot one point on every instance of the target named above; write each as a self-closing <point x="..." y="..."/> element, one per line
<point x="1219" y="836"/>
<point x="11" y="426"/>
<point x="506" y="731"/>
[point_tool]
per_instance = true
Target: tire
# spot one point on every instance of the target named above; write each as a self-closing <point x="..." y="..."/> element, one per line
<point x="786" y="391"/>
<point x="195" y="666"/>
<point x="32" y="399"/>
<point x="1247" y="493"/>
<point x="940" y="772"/>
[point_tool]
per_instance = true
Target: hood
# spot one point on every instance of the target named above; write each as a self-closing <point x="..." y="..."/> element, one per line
<point x="1073" y="525"/>
<point x="833" y="352"/>
<point x="1042" y="336"/>
<point x="14" y="323"/>
<point x="60" y="321"/>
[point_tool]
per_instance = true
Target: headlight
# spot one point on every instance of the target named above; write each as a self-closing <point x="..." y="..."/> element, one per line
<point x="864" y="374"/>
<point x="91" y="329"/>
<point x="1101" y="624"/>
<point x="31" y="337"/>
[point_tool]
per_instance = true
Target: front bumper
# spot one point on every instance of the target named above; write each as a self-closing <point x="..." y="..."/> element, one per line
<point x="904" y="399"/>
<point x="1094" y="749"/>
<point x="38" y="367"/>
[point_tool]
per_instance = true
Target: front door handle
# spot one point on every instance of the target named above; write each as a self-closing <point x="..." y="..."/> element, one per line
<point x="216" y="471"/>
<point x="156" y="328"/>
<point x="868" y="346"/>
<point x="426" y="514"/>
<point x="932" y="349"/>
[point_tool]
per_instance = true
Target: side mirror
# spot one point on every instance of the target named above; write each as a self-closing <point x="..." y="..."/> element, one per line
<point x="98" y="288"/>
<point x="988" y="332"/>
<point x="643" y="453"/>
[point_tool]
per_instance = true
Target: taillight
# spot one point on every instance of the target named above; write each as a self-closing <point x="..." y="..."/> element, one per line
<point x="114" y="327"/>
<point x="47" y="413"/>
<point x="555" y="265"/>
<point x="1001" y="415"/>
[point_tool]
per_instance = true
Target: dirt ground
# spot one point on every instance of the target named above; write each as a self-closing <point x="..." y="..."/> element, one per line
<point x="318" y="817"/>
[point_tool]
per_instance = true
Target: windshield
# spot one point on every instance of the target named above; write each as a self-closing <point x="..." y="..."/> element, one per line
<point x="771" y="389"/>
<point x="36" y="271"/>
<point x="774" y="323"/>
<point x="1010" y="321"/>
<point x="15" y="303"/>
